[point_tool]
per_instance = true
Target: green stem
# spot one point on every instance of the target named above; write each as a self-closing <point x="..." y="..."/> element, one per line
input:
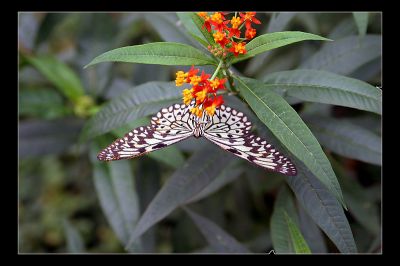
<point x="230" y="80"/>
<point x="216" y="71"/>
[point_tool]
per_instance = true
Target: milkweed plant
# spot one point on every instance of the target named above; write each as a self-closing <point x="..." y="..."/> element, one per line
<point x="270" y="125"/>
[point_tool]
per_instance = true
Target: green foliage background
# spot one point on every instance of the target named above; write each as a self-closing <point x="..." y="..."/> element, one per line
<point x="180" y="199"/>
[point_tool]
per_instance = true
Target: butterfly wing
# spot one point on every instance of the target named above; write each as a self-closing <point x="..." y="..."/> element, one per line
<point x="231" y="131"/>
<point x="170" y="125"/>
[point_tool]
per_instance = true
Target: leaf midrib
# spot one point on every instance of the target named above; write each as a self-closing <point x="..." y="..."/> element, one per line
<point x="325" y="208"/>
<point x="283" y="39"/>
<point x="321" y="87"/>
<point x="153" y="55"/>
<point x="314" y="159"/>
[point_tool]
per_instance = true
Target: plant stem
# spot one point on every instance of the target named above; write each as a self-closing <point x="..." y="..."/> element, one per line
<point x="217" y="70"/>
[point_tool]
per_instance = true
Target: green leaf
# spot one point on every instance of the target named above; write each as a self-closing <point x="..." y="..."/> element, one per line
<point x="347" y="139"/>
<point x="217" y="238"/>
<point x="323" y="208"/>
<point x="41" y="103"/>
<point x="361" y="204"/>
<point x="361" y="19"/>
<point x="170" y="156"/>
<point x="166" y="26"/>
<point x="278" y="22"/>
<point x="199" y="22"/>
<point x="299" y="243"/>
<point x="311" y="232"/>
<point x="41" y="137"/>
<point x="74" y="239"/>
<point x="59" y="74"/>
<point x="115" y="189"/>
<point x="161" y="53"/>
<point x="325" y="87"/>
<point x="232" y="171"/>
<point x="343" y="29"/>
<point x="288" y="127"/>
<point x="274" y="40"/>
<point x="140" y="101"/>
<point x="191" y="27"/>
<point x="345" y="55"/>
<point x="280" y="234"/>
<point x="200" y="170"/>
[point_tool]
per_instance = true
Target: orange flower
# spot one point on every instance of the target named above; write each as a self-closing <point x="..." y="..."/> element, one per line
<point x="187" y="96"/>
<point x="201" y="95"/>
<point x="197" y="111"/>
<point x="218" y="21"/>
<point x="250" y="33"/>
<point x="210" y="105"/>
<point x="206" y="18"/>
<point x="238" y="48"/>
<point x="180" y="78"/>
<point x="249" y="17"/>
<point x="192" y="72"/>
<point x="235" y="22"/>
<point x="217" y="84"/>
<point x="220" y="38"/>
<point x="194" y="80"/>
<point x="203" y="91"/>
<point x="217" y="17"/>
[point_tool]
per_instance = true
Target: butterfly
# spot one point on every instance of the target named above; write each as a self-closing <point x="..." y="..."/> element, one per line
<point x="227" y="128"/>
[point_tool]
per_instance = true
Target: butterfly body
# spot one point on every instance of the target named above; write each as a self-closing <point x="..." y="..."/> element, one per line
<point x="227" y="128"/>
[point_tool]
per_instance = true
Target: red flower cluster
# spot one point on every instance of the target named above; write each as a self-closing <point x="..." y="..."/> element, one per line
<point x="204" y="91"/>
<point x="224" y="35"/>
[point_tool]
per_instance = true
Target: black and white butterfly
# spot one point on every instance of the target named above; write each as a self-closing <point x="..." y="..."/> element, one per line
<point x="227" y="128"/>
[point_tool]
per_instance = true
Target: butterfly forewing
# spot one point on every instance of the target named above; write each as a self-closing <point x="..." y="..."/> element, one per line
<point x="168" y="126"/>
<point x="231" y="132"/>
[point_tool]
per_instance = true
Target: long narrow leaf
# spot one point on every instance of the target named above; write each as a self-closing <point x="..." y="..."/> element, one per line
<point x="288" y="127"/>
<point x="219" y="240"/>
<point x="39" y="137"/>
<point x="278" y="22"/>
<point x="361" y="205"/>
<point x="323" y="208"/>
<point x="345" y="55"/>
<point x="58" y="73"/>
<point x="161" y="53"/>
<point x="201" y="169"/>
<point x="191" y="27"/>
<point x="344" y="28"/>
<point x="311" y="232"/>
<point x="74" y="239"/>
<point x="325" y="87"/>
<point x="118" y="199"/>
<point x="165" y="25"/>
<point x="274" y="40"/>
<point x="346" y="139"/>
<point x="199" y="22"/>
<point x="229" y="174"/>
<point x="140" y="101"/>
<point x="299" y="243"/>
<point x="361" y="19"/>
<point x="280" y="234"/>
